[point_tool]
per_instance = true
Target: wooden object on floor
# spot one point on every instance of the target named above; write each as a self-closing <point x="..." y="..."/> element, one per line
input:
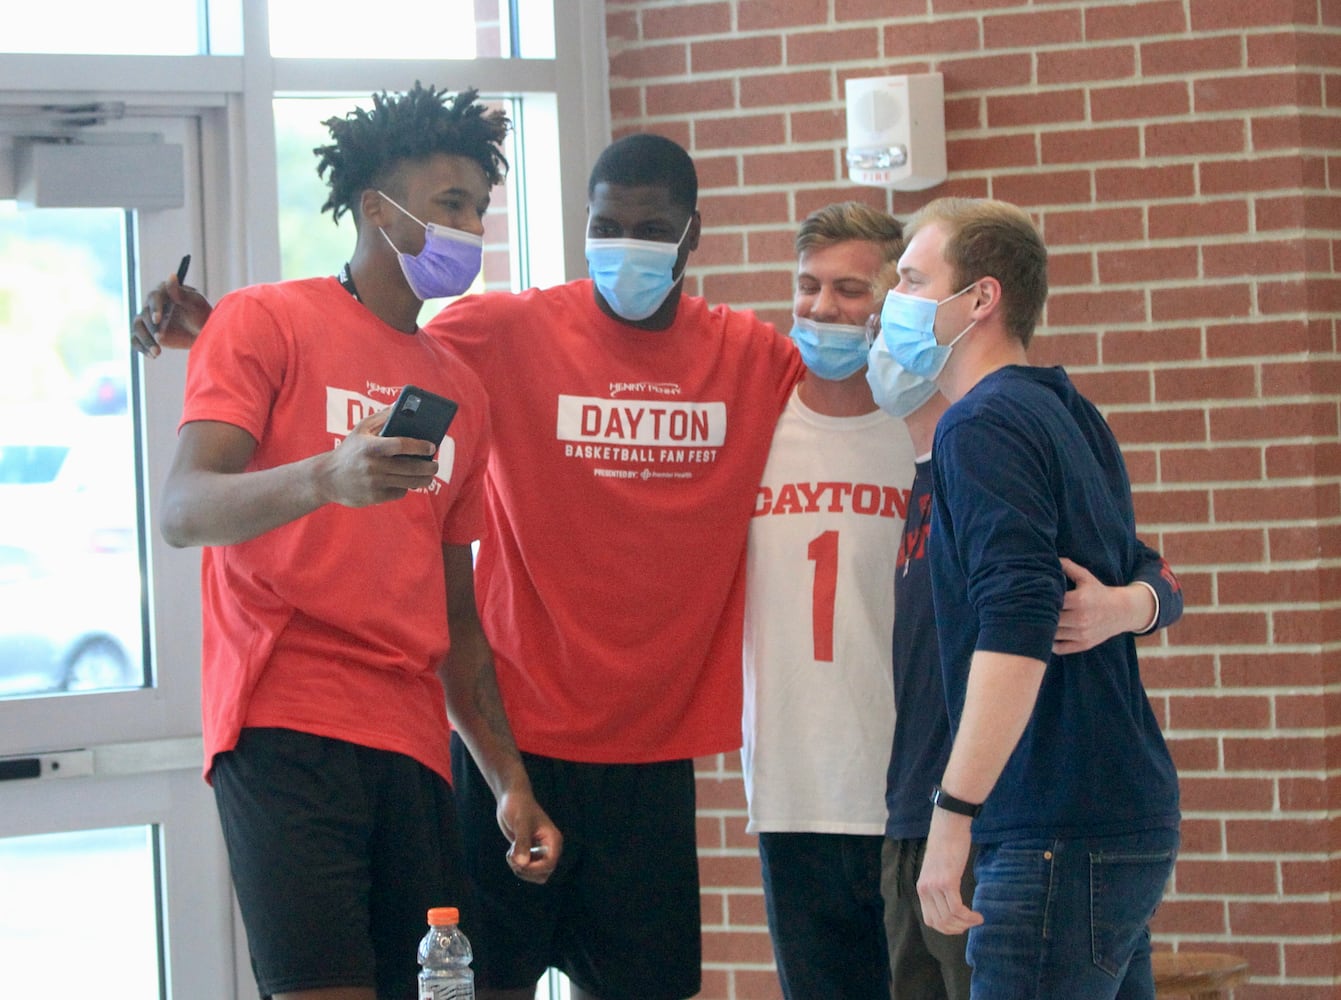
<point x="1200" y="975"/>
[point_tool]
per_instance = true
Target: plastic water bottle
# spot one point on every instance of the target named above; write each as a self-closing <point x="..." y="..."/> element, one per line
<point x="444" y="957"/>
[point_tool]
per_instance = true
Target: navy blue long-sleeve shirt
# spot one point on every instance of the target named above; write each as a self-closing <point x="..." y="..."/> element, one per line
<point x="921" y="745"/>
<point x="1025" y="470"/>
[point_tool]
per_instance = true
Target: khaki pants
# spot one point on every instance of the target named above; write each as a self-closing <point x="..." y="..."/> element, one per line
<point x="924" y="963"/>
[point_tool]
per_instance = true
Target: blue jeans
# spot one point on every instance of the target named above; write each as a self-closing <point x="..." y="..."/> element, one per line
<point x="1068" y="918"/>
<point x="826" y="915"/>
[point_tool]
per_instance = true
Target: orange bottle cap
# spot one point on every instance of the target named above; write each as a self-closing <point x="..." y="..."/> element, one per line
<point x="441" y="916"/>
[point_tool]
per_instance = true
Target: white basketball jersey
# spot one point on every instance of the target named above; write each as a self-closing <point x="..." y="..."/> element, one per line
<point x="819" y="613"/>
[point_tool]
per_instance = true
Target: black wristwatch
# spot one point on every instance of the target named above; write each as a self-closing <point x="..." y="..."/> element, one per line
<point x="940" y="797"/>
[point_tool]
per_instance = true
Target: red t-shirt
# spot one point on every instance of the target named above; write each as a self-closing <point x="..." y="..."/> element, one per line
<point x="334" y="623"/>
<point x="620" y="489"/>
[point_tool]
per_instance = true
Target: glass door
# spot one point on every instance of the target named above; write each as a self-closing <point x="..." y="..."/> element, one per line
<point x="111" y="865"/>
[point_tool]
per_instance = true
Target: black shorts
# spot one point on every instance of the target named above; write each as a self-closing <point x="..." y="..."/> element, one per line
<point x="337" y="852"/>
<point x="620" y="915"/>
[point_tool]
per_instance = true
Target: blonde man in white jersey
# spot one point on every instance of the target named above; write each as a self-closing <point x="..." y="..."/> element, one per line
<point x="819" y="699"/>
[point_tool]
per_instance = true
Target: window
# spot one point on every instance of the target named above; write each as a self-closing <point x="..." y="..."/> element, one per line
<point x="65" y="880"/>
<point x="70" y="567"/>
<point x="97" y="27"/>
<point x="394" y="29"/>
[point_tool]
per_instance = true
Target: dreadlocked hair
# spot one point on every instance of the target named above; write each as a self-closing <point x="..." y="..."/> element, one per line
<point x="414" y="125"/>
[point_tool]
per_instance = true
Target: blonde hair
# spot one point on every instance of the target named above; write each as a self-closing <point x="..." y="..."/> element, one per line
<point x="850" y="220"/>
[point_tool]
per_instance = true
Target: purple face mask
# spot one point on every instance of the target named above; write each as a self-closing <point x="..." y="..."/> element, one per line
<point x="446" y="266"/>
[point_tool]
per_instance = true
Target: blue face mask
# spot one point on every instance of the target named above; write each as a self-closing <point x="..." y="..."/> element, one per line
<point x="906" y="325"/>
<point x="634" y="276"/>
<point x="894" y="390"/>
<point x="446" y="266"/>
<point x="832" y="351"/>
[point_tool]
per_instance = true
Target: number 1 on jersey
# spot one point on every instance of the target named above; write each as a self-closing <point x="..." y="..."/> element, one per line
<point x="823" y="552"/>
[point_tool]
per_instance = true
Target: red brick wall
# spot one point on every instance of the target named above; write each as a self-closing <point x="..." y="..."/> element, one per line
<point x="1182" y="158"/>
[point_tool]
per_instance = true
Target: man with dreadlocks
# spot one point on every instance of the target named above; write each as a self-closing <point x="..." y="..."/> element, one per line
<point x="328" y="670"/>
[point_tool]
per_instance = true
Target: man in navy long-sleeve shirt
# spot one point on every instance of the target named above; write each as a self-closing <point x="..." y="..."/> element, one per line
<point x="1058" y="770"/>
<point x="923" y="962"/>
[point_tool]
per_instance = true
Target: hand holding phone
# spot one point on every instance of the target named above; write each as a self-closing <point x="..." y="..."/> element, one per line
<point x="418" y="413"/>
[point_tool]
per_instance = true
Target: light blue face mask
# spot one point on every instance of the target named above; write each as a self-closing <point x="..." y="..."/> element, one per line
<point x="634" y="276"/>
<point x="907" y="327"/>
<point x="832" y="351"/>
<point x="897" y="392"/>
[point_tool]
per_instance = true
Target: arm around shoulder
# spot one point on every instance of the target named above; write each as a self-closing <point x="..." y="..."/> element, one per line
<point x="173" y="316"/>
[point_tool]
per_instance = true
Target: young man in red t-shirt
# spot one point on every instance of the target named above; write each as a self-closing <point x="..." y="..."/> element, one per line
<point x="328" y="667"/>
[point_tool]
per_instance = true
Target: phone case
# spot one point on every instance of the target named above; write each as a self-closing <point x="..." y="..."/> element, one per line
<point x="418" y="413"/>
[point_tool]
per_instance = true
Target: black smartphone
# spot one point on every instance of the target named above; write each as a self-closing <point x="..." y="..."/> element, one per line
<point x="418" y="413"/>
